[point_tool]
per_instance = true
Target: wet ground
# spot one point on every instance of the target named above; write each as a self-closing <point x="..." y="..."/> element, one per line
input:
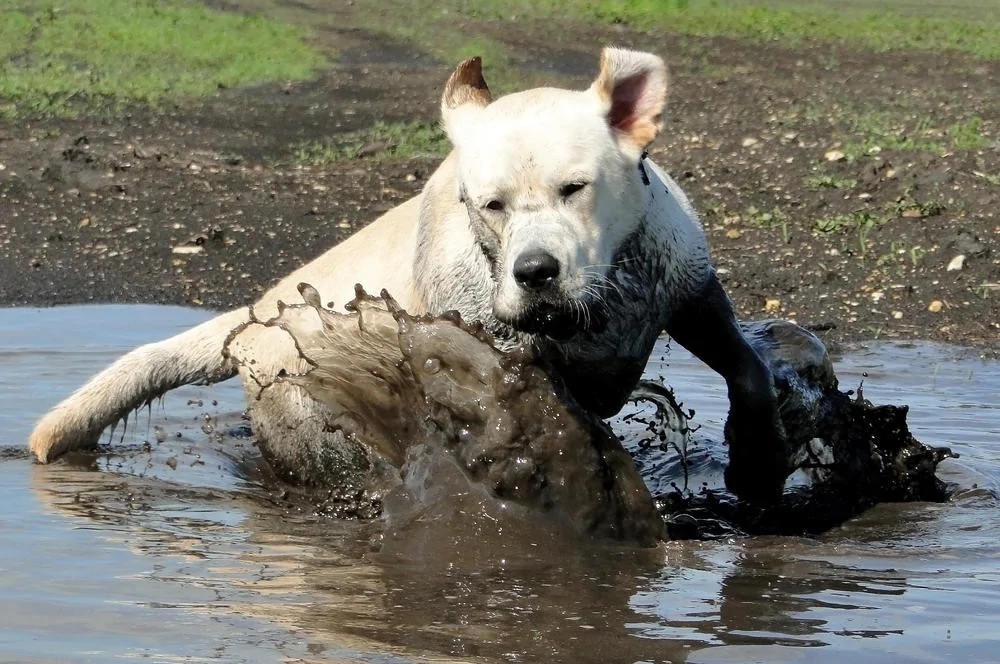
<point x="171" y="552"/>
<point x="99" y="209"/>
<point x="163" y="548"/>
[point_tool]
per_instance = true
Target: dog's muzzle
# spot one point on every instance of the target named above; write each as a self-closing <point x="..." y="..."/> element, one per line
<point x="536" y="271"/>
<point x="552" y="321"/>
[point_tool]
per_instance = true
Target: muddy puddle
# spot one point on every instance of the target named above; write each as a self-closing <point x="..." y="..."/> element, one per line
<point x="166" y="549"/>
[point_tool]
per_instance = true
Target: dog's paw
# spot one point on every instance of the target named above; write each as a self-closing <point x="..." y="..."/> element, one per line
<point x="53" y="436"/>
<point x="760" y="485"/>
<point x="758" y="464"/>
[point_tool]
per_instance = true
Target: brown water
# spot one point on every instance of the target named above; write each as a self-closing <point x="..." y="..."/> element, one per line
<point x="169" y="554"/>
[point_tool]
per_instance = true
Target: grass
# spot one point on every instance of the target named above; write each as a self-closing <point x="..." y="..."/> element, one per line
<point x="874" y="131"/>
<point x="862" y="222"/>
<point x="826" y="181"/>
<point x="969" y="26"/>
<point x="382" y="141"/>
<point x="886" y="29"/>
<point x="78" y="56"/>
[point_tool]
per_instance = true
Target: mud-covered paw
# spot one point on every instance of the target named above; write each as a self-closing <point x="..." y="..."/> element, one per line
<point x="759" y="485"/>
<point x="758" y="468"/>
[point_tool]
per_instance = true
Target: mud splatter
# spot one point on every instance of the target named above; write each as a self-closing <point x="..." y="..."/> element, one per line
<point x="406" y="384"/>
<point x="434" y="393"/>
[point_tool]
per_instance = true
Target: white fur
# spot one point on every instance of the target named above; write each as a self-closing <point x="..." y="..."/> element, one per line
<point x="521" y="150"/>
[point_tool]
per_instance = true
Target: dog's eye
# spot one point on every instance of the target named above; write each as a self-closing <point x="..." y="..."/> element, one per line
<point x="494" y="205"/>
<point x="571" y="188"/>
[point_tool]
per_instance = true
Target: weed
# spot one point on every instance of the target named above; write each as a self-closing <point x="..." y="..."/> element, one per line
<point x="880" y="130"/>
<point x="985" y="289"/>
<point x="838" y="224"/>
<point x="916" y="253"/>
<point x="966" y="135"/>
<point x="381" y="141"/>
<point x="861" y="221"/>
<point x="817" y="182"/>
<point x="865" y="227"/>
<point x="764" y="219"/>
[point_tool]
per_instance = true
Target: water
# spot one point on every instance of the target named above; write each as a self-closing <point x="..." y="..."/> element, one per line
<point x="169" y="554"/>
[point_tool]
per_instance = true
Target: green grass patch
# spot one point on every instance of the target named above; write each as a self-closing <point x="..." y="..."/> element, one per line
<point x="381" y="142"/>
<point x="967" y="135"/>
<point x="875" y="131"/>
<point x="73" y="56"/>
<point x="969" y="26"/>
<point x="886" y="26"/>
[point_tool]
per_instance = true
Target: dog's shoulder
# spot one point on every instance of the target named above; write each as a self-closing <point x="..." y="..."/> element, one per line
<point x="672" y="224"/>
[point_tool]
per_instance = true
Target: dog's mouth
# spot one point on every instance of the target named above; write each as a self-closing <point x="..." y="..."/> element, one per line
<point x="559" y="322"/>
<point x="549" y="320"/>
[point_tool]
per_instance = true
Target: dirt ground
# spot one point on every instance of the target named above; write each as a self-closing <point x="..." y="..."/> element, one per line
<point x="203" y="205"/>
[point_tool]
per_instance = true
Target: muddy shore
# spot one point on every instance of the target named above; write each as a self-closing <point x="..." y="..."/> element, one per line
<point x="204" y="204"/>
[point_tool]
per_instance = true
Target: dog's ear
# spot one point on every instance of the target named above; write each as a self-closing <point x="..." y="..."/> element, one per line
<point x="465" y="92"/>
<point x="632" y="89"/>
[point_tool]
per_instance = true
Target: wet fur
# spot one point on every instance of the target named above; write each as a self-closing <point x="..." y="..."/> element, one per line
<point x="633" y="256"/>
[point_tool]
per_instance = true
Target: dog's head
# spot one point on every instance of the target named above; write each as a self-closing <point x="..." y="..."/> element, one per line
<point x="551" y="179"/>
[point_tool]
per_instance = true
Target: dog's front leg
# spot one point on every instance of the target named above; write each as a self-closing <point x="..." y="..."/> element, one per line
<point x="706" y="325"/>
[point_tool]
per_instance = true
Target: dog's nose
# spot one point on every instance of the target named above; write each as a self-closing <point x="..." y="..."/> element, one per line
<point x="536" y="271"/>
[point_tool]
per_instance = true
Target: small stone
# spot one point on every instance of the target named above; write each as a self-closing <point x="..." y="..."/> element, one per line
<point x="188" y="249"/>
<point x="772" y="306"/>
<point x="733" y="233"/>
<point x="957" y="263"/>
<point x="835" y="155"/>
<point x="935" y="307"/>
<point x="913" y="213"/>
<point x="897" y="314"/>
<point x="750" y="141"/>
<point x="84" y="222"/>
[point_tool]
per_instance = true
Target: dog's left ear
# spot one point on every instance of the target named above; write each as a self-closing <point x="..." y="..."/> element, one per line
<point x="632" y="89"/>
<point x="465" y="93"/>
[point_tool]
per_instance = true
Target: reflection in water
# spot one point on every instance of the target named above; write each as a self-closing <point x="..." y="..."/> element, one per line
<point x="187" y="560"/>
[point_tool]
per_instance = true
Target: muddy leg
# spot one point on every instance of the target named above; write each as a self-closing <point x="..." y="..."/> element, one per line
<point x="706" y="326"/>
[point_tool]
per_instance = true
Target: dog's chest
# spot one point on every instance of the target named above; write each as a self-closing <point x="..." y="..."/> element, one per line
<point x="602" y="366"/>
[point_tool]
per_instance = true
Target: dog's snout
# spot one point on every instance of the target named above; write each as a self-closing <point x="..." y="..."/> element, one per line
<point x="535" y="271"/>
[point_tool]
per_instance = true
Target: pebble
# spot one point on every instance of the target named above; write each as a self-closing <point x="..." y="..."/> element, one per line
<point x="935" y="307"/>
<point x="750" y="141"/>
<point x="957" y="263"/>
<point x="835" y="155"/>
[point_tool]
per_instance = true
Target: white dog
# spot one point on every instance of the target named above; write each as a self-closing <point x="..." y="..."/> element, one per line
<point x="548" y="224"/>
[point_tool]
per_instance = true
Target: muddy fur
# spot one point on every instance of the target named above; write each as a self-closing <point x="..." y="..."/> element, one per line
<point x="547" y="225"/>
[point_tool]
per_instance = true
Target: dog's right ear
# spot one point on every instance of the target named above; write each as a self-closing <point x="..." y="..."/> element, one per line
<point x="465" y="93"/>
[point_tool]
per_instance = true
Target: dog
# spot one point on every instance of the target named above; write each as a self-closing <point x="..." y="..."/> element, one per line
<point x="549" y="225"/>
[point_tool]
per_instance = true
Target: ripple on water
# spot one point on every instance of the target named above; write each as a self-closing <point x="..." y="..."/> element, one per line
<point x="128" y="555"/>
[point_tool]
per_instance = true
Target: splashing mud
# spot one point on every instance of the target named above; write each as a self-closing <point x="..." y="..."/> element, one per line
<point x="849" y="453"/>
<point x="467" y="422"/>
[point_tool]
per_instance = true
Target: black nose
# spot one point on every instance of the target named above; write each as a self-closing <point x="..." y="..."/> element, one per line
<point x="536" y="271"/>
